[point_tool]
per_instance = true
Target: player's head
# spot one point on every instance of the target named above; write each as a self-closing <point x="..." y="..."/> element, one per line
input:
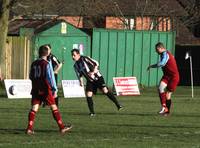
<point x="75" y="54"/>
<point x="160" y="47"/>
<point x="43" y="51"/>
<point x="49" y="48"/>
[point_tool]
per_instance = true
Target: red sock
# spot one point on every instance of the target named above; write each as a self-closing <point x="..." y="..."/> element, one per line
<point x="31" y="118"/>
<point x="163" y="99"/>
<point x="57" y="117"/>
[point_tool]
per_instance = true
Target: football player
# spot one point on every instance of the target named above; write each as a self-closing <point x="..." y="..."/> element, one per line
<point x="57" y="65"/>
<point x="43" y="90"/>
<point x="87" y="67"/>
<point x="170" y="78"/>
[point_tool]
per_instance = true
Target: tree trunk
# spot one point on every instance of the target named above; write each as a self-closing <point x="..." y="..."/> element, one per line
<point x="4" y="16"/>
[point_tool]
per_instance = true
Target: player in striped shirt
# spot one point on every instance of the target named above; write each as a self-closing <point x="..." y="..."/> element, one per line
<point x="170" y="78"/>
<point x="87" y="67"/>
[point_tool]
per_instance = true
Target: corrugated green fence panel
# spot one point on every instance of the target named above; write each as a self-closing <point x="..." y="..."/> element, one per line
<point x="96" y="45"/>
<point x="112" y="58"/>
<point x="137" y="55"/>
<point x="129" y="54"/>
<point x="145" y="57"/>
<point x="170" y="43"/>
<point x="153" y="73"/>
<point x="103" y="56"/>
<point x="120" y="54"/>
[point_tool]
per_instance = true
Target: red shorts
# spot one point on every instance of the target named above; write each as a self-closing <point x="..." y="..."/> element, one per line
<point x="39" y="98"/>
<point x="171" y="81"/>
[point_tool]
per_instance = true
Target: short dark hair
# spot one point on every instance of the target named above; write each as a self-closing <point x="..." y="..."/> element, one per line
<point x="160" y="45"/>
<point x="75" y="50"/>
<point x="43" y="51"/>
<point x="49" y="45"/>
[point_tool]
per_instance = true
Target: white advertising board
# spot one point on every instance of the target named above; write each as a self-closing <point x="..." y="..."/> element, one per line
<point x="18" y="88"/>
<point x="126" y="86"/>
<point x="72" y="89"/>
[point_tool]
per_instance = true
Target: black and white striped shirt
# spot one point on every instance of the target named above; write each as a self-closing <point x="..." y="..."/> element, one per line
<point x="84" y="66"/>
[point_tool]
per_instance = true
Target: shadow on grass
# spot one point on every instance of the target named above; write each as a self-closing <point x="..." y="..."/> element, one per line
<point x="4" y="96"/>
<point x="22" y="131"/>
<point x="110" y="113"/>
<point x="155" y="126"/>
<point x="151" y="114"/>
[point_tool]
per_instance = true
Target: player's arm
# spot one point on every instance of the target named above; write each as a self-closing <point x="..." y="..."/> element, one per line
<point x="163" y="60"/>
<point x="58" y="64"/>
<point x="79" y="76"/>
<point x="81" y="81"/>
<point x="57" y="69"/>
<point x="94" y="63"/>
<point x="50" y="78"/>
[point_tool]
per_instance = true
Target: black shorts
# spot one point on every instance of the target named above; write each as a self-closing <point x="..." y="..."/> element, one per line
<point x="92" y="86"/>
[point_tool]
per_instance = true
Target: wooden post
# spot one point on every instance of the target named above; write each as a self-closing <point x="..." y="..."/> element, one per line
<point x="3" y="34"/>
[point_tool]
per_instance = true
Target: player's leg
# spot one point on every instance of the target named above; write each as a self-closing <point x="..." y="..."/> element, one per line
<point x="111" y="96"/>
<point x="171" y="87"/>
<point x="162" y="95"/>
<point x="56" y="98"/>
<point x="90" y="88"/>
<point x="90" y="103"/>
<point x="101" y="84"/>
<point x="168" y="101"/>
<point x="50" y="99"/>
<point x="31" y="118"/>
<point x="57" y="116"/>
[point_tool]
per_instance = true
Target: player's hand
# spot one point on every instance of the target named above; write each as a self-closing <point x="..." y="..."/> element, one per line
<point x="55" y="94"/>
<point x="91" y="74"/>
<point x="81" y="84"/>
<point x="148" y="68"/>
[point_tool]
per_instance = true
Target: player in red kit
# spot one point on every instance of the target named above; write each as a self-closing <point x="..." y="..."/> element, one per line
<point x="43" y="90"/>
<point x="170" y="78"/>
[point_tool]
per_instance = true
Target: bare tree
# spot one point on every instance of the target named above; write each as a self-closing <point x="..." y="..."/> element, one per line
<point x="5" y="6"/>
<point x="192" y="7"/>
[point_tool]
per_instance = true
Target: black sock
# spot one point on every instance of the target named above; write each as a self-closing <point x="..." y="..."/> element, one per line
<point x="56" y="100"/>
<point x="168" y="104"/>
<point x="90" y="104"/>
<point x="113" y="98"/>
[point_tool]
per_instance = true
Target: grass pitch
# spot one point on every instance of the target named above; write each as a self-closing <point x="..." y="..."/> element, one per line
<point x="136" y="126"/>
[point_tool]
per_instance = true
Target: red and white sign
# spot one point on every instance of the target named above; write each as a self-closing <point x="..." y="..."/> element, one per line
<point x="125" y="86"/>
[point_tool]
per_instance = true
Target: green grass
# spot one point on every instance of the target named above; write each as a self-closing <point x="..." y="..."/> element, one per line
<point x="138" y="125"/>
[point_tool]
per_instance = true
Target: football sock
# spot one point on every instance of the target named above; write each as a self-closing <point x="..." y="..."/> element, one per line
<point x="31" y="118"/>
<point x="57" y="117"/>
<point x="90" y="104"/>
<point x="113" y="98"/>
<point x="168" y="103"/>
<point x="56" y="100"/>
<point x="163" y="99"/>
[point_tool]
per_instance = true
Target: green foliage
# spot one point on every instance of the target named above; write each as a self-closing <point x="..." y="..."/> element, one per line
<point x="138" y="125"/>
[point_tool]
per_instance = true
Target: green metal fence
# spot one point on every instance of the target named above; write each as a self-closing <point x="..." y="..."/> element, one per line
<point x="128" y="53"/>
